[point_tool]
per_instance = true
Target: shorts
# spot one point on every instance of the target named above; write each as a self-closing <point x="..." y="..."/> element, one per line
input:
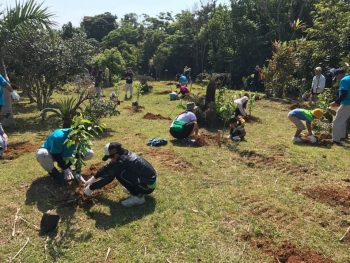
<point x="186" y="131"/>
<point x="298" y="123"/>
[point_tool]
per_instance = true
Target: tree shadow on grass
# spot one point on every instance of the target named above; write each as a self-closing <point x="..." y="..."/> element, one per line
<point x="46" y="195"/>
<point x="120" y="215"/>
<point x="33" y="124"/>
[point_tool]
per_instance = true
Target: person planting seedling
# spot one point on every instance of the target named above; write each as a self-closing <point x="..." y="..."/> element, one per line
<point x="132" y="171"/>
<point x="297" y="116"/>
<point x="237" y="131"/>
<point x="241" y="106"/>
<point x="55" y="149"/>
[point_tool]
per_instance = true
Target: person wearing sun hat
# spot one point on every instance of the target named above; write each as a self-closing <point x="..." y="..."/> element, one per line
<point x="297" y="116"/>
<point x="185" y="124"/>
<point x="343" y="102"/>
<point x="132" y="171"/>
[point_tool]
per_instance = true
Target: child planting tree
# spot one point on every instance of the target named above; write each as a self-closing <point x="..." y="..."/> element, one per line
<point x="297" y="116"/>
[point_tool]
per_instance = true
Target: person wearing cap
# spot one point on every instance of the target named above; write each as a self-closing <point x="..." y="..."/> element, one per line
<point x="343" y="102"/>
<point x="54" y="149"/>
<point x="185" y="124"/>
<point x="237" y="131"/>
<point x="132" y="171"/>
<point x="241" y="106"/>
<point x="297" y="116"/>
<point x="318" y="83"/>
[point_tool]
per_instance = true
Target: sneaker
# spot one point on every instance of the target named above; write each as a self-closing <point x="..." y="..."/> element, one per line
<point x="133" y="200"/>
<point x="297" y="139"/>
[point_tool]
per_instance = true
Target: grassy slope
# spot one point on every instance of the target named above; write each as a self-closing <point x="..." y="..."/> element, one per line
<point x="202" y="213"/>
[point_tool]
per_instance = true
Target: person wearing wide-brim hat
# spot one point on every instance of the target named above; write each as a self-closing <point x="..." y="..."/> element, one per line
<point x="185" y="125"/>
<point x="132" y="171"/>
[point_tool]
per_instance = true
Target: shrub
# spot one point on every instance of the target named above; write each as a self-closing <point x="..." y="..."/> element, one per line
<point x="100" y="108"/>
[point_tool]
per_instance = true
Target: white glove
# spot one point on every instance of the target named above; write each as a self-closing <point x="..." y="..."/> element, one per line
<point x="14" y="95"/>
<point x="68" y="174"/>
<point x="88" y="191"/>
<point x="312" y="139"/>
<point x="90" y="181"/>
<point x="78" y="177"/>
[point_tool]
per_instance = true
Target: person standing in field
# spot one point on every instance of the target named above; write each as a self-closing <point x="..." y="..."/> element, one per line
<point x="343" y="102"/>
<point x="129" y="74"/>
<point x="318" y="84"/>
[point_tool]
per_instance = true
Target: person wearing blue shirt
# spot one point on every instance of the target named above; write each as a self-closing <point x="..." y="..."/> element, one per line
<point x="4" y="84"/>
<point x="343" y="102"/>
<point x="53" y="150"/>
<point x="183" y="79"/>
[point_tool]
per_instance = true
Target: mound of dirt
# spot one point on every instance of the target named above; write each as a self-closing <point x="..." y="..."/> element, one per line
<point x="330" y="194"/>
<point x="165" y="92"/>
<point x="286" y="252"/>
<point x="151" y="116"/>
<point x="169" y="159"/>
<point x="15" y="150"/>
<point x="134" y="109"/>
<point x="81" y="199"/>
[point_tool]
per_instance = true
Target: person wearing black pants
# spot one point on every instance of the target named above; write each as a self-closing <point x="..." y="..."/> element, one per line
<point x="132" y="171"/>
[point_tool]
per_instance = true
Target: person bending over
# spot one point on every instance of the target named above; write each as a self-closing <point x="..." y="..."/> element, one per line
<point x="297" y="116"/>
<point x="185" y="125"/>
<point x="132" y="171"/>
<point x="241" y="106"/>
<point x="54" y="149"/>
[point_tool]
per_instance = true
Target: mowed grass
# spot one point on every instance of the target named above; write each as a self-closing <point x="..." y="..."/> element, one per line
<point x="235" y="203"/>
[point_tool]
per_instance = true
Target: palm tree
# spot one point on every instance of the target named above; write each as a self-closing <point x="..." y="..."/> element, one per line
<point x="20" y="19"/>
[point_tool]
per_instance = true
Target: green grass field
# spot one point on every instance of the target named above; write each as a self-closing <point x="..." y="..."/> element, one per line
<point x="261" y="200"/>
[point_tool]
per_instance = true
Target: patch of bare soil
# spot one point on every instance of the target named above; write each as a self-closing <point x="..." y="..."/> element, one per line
<point x="151" y="116"/>
<point x="15" y="150"/>
<point x="81" y="199"/>
<point x="330" y="194"/>
<point x="164" y="92"/>
<point x="286" y="252"/>
<point x="277" y="162"/>
<point x="206" y="139"/>
<point x="169" y="159"/>
<point x="171" y="83"/>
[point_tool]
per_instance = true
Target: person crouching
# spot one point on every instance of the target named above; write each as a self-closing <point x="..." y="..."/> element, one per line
<point x="237" y="131"/>
<point x="297" y="116"/>
<point x="132" y="171"/>
<point x="55" y="149"/>
<point x="185" y="125"/>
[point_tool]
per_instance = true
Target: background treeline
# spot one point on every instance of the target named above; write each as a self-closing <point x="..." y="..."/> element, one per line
<point x="287" y="38"/>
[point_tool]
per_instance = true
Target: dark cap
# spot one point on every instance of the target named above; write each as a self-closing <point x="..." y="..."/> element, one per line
<point x="112" y="148"/>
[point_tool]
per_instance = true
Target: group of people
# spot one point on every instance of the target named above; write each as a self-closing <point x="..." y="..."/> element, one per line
<point x="133" y="172"/>
<point x="339" y="126"/>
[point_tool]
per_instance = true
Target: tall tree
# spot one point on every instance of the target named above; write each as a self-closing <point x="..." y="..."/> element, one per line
<point x="99" y="26"/>
<point x="16" y="20"/>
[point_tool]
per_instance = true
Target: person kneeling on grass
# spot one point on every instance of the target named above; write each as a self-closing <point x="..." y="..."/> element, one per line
<point x="132" y="171"/>
<point x="53" y="150"/>
<point x="237" y="131"/>
<point x="183" y="90"/>
<point x="185" y="124"/>
<point x="297" y="116"/>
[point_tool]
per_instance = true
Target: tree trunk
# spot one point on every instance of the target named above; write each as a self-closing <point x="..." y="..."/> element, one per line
<point x="7" y="107"/>
<point x="210" y="93"/>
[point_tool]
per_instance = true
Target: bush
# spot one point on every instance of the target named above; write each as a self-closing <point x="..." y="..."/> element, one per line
<point x="99" y="108"/>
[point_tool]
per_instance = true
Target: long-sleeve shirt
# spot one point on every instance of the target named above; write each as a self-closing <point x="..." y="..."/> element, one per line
<point x="318" y="84"/>
<point x="130" y="164"/>
<point x="240" y="104"/>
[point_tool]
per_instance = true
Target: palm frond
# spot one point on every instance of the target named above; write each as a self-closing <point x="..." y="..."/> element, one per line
<point x="27" y="14"/>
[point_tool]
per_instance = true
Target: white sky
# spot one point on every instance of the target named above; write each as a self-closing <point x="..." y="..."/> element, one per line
<point x="75" y="10"/>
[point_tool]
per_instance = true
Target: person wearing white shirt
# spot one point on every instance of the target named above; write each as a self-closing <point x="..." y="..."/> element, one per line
<point x="318" y="83"/>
